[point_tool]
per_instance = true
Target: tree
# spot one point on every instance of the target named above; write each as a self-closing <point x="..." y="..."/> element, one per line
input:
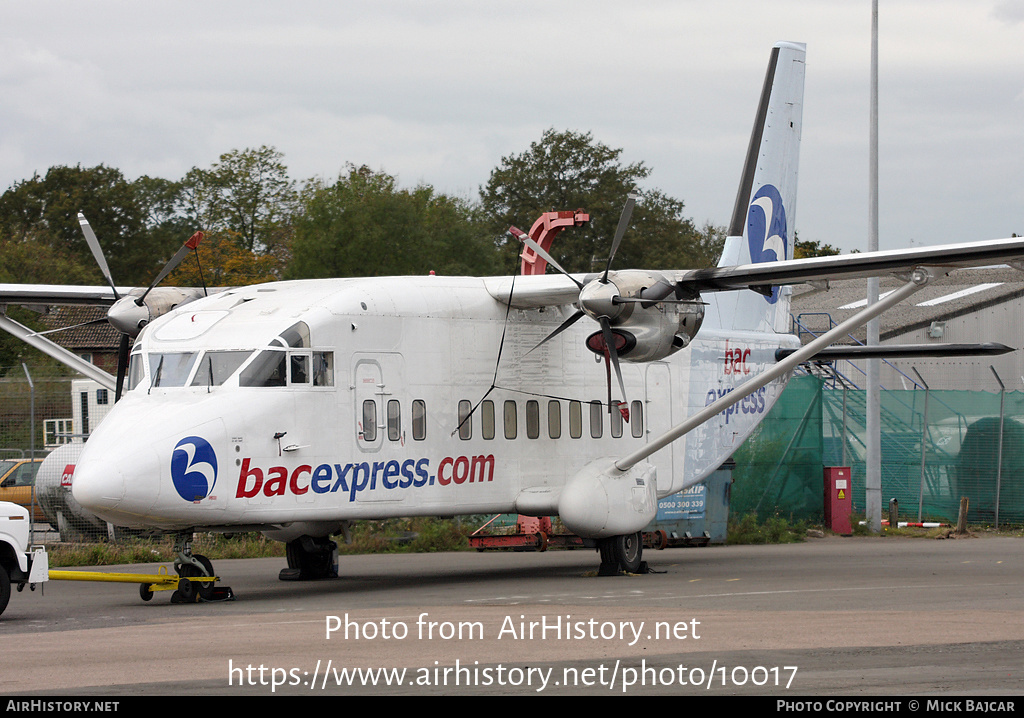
<point x="223" y="262"/>
<point x="43" y="213"/>
<point x="802" y="250"/>
<point x="248" y="192"/>
<point x="365" y="225"/>
<point x="568" y="171"/>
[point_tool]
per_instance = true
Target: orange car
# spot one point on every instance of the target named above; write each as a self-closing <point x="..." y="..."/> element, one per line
<point x="17" y="484"/>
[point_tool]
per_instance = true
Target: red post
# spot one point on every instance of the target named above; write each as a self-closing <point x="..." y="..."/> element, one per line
<point x="838" y="499"/>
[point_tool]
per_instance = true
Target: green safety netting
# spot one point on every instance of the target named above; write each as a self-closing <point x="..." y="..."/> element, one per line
<point x="936" y="448"/>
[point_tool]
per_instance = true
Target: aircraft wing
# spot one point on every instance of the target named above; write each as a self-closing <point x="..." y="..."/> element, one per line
<point x="944" y="258"/>
<point x="532" y="292"/>
<point x="58" y="294"/>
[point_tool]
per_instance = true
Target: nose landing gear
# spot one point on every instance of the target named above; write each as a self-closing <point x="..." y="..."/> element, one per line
<point x="196" y="579"/>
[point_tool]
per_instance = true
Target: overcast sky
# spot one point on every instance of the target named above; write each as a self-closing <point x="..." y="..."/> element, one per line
<point x="439" y="92"/>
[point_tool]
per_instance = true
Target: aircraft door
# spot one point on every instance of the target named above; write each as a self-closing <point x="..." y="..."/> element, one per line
<point x="368" y="383"/>
<point x="376" y="380"/>
<point x="659" y="418"/>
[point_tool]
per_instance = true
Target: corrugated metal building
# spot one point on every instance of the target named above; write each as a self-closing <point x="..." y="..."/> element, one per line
<point x="968" y="306"/>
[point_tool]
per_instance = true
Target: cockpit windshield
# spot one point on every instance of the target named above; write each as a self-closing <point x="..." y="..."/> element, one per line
<point x="216" y="366"/>
<point x="170" y="369"/>
<point x="288" y="360"/>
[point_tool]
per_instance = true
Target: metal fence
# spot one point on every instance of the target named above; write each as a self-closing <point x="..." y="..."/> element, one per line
<point x="936" y="447"/>
<point x="37" y="411"/>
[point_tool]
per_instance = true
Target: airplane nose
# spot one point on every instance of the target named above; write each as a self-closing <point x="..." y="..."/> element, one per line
<point x="117" y="474"/>
<point x="97" y="487"/>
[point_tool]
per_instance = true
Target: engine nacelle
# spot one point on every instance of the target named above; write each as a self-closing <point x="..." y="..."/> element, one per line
<point x="602" y="501"/>
<point x="646" y="331"/>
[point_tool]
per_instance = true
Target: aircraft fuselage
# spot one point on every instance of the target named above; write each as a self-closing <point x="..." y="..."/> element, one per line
<point x="321" y="401"/>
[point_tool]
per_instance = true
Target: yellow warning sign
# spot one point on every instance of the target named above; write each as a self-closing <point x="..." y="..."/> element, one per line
<point x="842" y="494"/>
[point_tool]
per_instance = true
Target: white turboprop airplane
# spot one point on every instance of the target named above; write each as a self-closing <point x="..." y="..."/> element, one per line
<point x="296" y="407"/>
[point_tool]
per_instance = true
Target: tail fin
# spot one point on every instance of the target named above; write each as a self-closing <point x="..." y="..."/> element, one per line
<point x="762" y="225"/>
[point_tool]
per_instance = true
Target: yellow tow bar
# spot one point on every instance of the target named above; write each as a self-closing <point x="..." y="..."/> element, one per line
<point x="187" y="589"/>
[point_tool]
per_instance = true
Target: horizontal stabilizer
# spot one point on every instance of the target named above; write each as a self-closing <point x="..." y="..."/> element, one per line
<point x="905" y="351"/>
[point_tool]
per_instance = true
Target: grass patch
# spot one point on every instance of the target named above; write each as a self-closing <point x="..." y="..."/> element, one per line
<point x="775" y="529"/>
<point x="161" y="550"/>
<point x="420" y="534"/>
<point x="413" y="535"/>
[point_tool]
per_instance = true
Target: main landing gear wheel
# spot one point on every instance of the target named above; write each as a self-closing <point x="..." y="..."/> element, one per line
<point x="621" y="554"/>
<point x="309" y="559"/>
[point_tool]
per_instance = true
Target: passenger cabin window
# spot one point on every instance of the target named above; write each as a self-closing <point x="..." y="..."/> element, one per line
<point x="636" y="419"/>
<point x="511" y="420"/>
<point x="596" y="420"/>
<point x="532" y="419"/>
<point x="575" y="419"/>
<point x="369" y="420"/>
<point x="419" y="420"/>
<point x="487" y="419"/>
<point x="394" y="420"/>
<point x="465" y="422"/>
<point x="616" y="417"/>
<point x="555" y="419"/>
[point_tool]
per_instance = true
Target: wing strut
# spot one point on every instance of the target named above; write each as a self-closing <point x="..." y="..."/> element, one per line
<point x="57" y="352"/>
<point x="919" y="278"/>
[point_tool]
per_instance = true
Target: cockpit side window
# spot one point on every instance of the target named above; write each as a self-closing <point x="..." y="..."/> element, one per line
<point x="136" y="370"/>
<point x="297" y="335"/>
<point x="299" y="368"/>
<point x="323" y="368"/>
<point x="269" y="368"/>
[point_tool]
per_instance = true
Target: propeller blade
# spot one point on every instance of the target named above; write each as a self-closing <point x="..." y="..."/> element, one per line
<point x="101" y="320"/>
<point x="613" y="355"/>
<point x="122" y="366"/>
<point x="190" y="244"/>
<point x="97" y="253"/>
<point x="528" y="241"/>
<point x="627" y="212"/>
<point x="561" y="328"/>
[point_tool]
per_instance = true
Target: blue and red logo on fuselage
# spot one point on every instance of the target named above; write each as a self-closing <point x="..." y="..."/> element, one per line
<point x="193" y="468"/>
<point x="354" y="477"/>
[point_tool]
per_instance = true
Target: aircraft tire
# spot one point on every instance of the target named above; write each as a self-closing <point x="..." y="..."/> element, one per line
<point x="204" y="589"/>
<point x="310" y="559"/>
<point x="5" y="588"/>
<point x="623" y="552"/>
<point x="186" y="592"/>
